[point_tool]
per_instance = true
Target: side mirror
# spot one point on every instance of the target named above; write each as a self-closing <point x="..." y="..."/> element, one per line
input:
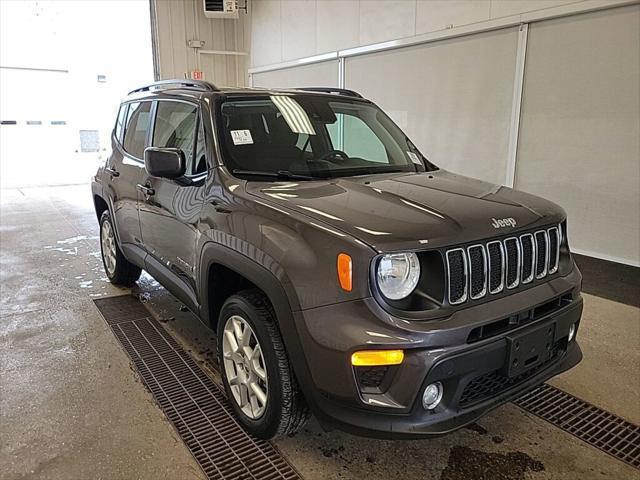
<point x="164" y="162"/>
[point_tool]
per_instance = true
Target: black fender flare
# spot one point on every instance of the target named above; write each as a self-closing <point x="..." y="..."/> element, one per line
<point x="98" y="190"/>
<point x="284" y="304"/>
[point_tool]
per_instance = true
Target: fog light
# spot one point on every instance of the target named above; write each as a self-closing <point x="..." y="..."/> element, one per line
<point x="432" y="396"/>
<point x="572" y="331"/>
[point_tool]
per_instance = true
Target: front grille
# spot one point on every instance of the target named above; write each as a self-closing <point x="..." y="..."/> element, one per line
<point x="495" y="255"/>
<point x="488" y="268"/>
<point x="457" y="272"/>
<point x="554" y="251"/>
<point x="478" y="270"/>
<point x="512" y="247"/>
<point x="542" y="258"/>
<point x="528" y="257"/>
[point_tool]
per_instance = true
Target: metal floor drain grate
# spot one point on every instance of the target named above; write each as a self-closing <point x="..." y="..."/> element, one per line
<point x="597" y="427"/>
<point x="195" y="405"/>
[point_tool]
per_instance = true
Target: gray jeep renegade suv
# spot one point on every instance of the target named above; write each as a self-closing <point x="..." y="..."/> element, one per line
<point x="345" y="274"/>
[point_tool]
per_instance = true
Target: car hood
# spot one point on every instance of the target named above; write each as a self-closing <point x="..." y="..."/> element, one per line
<point x="408" y="211"/>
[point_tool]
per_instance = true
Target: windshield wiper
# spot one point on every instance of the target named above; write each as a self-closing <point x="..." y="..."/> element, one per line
<point x="283" y="174"/>
<point x="356" y="171"/>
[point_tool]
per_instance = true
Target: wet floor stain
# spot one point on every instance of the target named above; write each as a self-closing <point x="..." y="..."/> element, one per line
<point x="476" y="427"/>
<point x="467" y="463"/>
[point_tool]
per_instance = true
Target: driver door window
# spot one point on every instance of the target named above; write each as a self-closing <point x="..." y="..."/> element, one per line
<point x="355" y="138"/>
<point x="175" y="127"/>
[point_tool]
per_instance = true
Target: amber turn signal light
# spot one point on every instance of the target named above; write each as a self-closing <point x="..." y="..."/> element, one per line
<point x="345" y="272"/>
<point x="377" y="358"/>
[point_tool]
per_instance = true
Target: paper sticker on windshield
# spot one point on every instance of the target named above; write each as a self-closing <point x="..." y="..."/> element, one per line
<point x="241" y="137"/>
<point x="414" y="158"/>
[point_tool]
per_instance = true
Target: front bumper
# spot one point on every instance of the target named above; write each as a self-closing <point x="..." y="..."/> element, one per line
<point x="473" y="374"/>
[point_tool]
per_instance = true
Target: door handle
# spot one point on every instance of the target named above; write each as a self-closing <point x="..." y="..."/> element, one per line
<point x="114" y="173"/>
<point x="145" y="189"/>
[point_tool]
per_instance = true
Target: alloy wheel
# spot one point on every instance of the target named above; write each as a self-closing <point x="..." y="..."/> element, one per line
<point x="108" y="243"/>
<point x="244" y="366"/>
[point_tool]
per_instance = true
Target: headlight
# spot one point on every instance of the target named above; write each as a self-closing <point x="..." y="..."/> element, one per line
<point x="398" y="274"/>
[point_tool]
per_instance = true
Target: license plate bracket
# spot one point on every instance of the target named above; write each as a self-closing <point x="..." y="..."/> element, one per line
<point x="528" y="349"/>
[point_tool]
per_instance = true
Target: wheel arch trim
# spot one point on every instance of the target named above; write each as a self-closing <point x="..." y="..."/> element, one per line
<point x="280" y="294"/>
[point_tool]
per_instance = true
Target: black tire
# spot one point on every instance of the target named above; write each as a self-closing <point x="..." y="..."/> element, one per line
<point x="286" y="411"/>
<point x="124" y="273"/>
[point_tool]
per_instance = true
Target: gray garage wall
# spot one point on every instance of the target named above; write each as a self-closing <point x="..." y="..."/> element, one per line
<point x="313" y="75"/>
<point x="566" y="119"/>
<point x="579" y="139"/>
<point x="284" y="30"/>
<point x="452" y="97"/>
<point x="177" y="21"/>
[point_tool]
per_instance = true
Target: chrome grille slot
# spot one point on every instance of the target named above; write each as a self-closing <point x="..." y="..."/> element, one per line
<point x="528" y="257"/>
<point x="477" y="271"/>
<point x="513" y="257"/>
<point x="495" y="259"/>
<point x="457" y="276"/>
<point x="542" y="253"/>
<point x="554" y="249"/>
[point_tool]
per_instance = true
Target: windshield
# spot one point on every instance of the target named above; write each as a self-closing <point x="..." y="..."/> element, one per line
<point x="313" y="136"/>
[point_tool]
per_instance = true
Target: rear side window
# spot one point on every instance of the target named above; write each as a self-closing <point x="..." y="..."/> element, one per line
<point x="135" y="134"/>
<point x="122" y="113"/>
<point x="175" y="127"/>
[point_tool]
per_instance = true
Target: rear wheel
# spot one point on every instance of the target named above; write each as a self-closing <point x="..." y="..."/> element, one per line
<point x="119" y="270"/>
<point x="256" y="372"/>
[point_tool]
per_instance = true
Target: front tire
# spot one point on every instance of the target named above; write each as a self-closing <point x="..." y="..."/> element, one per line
<point x="255" y="368"/>
<point x="118" y="269"/>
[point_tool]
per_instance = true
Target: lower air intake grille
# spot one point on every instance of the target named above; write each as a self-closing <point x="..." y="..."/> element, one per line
<point x="370" y="377"/>
<point x="494" y="383"/>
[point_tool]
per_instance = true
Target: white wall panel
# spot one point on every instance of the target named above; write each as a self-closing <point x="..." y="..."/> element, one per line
<point x="338" y="24"/>
<point x="298" y="26"/>
<point x="452" y="97"/>
<point x="266" y="32"/>
<point x="322" y="74"/>
<point x="440" y="14"/>
<point x="580" y="127"/>
<point x="382" y="20"/>
<point x="503" y="8"/>
<point x="283" y="30"/>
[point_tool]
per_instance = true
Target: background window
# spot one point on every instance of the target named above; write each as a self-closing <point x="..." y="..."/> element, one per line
<point x="135" y="134"/>
<point x="175" y="127"/>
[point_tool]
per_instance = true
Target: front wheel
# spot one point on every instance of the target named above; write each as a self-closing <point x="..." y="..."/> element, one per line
<point x="256" y="373"/>
<point x="119" y="270"/>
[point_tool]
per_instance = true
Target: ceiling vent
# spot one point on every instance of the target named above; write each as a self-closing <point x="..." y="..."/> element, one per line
<point x="220" y="8"/>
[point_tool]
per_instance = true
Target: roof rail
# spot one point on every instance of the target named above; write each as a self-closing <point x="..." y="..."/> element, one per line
<point x="168" y="84"/>
<point x="339" y="91"/>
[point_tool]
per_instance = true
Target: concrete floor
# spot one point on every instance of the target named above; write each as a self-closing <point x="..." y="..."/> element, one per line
<point x="71" y="407"/>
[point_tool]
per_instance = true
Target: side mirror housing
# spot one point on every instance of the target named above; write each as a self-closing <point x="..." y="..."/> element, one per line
<point x="164" y="162"/>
